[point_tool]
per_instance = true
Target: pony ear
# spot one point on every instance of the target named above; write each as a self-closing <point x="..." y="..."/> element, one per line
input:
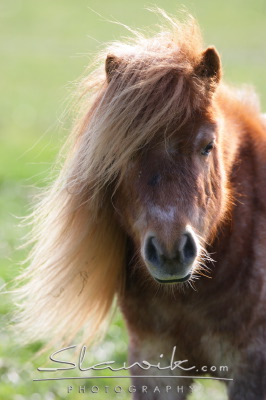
<point x="111" y="65"/>
<point x="209" y="66"/>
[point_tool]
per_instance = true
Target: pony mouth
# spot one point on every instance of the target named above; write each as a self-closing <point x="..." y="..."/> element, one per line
<point x="186" y="278"/>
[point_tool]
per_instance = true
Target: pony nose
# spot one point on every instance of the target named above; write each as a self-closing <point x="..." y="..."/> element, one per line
<point x="176" y="265"/>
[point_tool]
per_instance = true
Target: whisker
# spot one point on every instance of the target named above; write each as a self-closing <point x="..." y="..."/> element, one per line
<point x="191" y="284"/>
<point x="201" y="273"/>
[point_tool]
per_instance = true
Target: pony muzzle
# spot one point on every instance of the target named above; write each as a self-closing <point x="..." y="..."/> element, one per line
<point x="171" y="267"/>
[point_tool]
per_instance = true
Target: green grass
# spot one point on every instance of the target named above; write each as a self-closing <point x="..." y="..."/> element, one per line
<point x="45" y="47"/>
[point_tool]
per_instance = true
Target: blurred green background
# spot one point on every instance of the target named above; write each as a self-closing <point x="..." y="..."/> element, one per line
<point x="45" y="47"/>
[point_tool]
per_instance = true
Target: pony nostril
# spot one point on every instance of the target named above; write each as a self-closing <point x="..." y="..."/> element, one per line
<point x="189" y="250"/>
<point x="151" y="251"/>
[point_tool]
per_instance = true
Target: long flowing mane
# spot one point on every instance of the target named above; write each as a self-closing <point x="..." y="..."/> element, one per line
<point x="77" y="260"/>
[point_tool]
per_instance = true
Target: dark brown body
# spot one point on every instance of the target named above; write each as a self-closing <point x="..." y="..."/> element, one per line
<point x="223" y="322"/>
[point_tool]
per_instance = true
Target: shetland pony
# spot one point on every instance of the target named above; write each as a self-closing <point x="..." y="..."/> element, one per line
<point x="165" y="171"/>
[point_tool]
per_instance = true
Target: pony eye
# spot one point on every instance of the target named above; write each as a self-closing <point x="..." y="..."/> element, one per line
<point x="206" y="151"/>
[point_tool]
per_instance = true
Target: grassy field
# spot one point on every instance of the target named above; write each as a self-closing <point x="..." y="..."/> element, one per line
<point x="45" y="47"/>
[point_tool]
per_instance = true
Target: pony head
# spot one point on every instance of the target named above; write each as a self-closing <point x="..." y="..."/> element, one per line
<point x="170" y="195"/>
<point x="145" y="164"/>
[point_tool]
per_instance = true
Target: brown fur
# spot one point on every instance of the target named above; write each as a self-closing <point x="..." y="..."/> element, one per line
<point x="137" y="167"/>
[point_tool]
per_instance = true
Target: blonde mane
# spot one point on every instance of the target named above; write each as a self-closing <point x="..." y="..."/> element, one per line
<point x="77" y="260"/>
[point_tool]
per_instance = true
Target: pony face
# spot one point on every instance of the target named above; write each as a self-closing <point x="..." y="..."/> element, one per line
<point x="168" y="194"/>
<point x="170" y="199"/>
